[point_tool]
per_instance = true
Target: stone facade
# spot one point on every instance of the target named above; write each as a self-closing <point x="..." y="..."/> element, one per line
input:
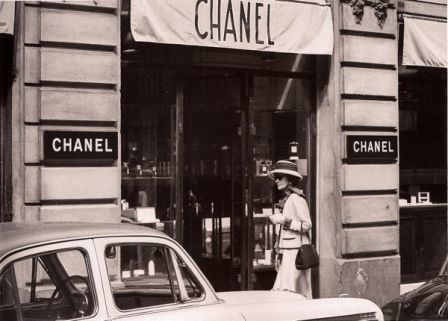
<point x="68" y="78"/>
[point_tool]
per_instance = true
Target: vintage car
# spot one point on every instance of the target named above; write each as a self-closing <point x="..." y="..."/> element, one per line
<point x="88" y="271"/>
<point x="427" y="302"/>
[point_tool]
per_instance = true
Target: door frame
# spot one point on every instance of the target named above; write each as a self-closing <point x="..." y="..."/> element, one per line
<point x="246" y="77"/>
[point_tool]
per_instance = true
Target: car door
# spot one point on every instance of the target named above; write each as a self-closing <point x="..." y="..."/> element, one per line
<point x="153" y="278"/>
<point x="52" y="282"/>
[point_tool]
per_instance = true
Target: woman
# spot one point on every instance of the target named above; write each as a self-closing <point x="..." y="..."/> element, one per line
<point x="295" y="221"/>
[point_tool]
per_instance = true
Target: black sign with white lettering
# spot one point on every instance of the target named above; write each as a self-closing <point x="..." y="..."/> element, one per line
<point x="80" y="146"/>
<point x="372" y="147"/>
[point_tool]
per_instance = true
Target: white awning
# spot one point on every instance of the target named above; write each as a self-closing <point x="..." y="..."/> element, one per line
<point x="424" y="42"/>
<point x="294" y="26"/>
<point x="7" y="17"/>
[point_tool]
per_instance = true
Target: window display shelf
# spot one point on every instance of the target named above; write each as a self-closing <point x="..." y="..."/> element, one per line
<point x="263" y="267"/>
<point x="147" y="178"/>
<point x="423" y="205"/>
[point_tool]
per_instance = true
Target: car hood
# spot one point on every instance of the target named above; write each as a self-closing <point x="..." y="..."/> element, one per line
<point x="282" y="306"/>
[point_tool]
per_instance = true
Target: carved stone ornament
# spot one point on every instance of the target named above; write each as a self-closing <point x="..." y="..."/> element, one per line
<point x="380" y="7"/>
<point x="358" y="9"/>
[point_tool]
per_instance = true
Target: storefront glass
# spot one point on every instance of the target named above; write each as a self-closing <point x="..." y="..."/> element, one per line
<point x="198" y="139"/>
<point x="423" y="171"/>
<point x="6" y="76"/>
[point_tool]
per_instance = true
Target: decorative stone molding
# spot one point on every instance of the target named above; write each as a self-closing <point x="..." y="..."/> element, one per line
<point x="358" y="9"/>
<point x="380" y="7"/>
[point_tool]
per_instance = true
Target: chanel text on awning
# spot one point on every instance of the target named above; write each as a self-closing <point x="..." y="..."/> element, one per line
<point x="226" y="23"/>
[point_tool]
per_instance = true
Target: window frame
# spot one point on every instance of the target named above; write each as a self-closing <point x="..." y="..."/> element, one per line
<point x="14" y="291"/>
<point x="86" y="247"/>
<point x="208" y="296"/>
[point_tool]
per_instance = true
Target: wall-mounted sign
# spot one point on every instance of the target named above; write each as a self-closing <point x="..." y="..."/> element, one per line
<point x="372" y="147"/>
<point x="79" y="146"/>
<point x="301" y="27"/>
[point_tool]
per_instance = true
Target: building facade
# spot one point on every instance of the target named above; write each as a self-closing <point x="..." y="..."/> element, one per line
<point x="101" y="123"/>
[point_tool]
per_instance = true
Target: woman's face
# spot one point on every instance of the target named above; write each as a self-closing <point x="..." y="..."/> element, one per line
<point x="281" y="181"/>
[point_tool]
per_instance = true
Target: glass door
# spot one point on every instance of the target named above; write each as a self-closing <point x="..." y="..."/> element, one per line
<point x="149" y="138"/>
<point x="212" y="175"/>
<point x="279" y="122"/>
<point x="235" y="126"/>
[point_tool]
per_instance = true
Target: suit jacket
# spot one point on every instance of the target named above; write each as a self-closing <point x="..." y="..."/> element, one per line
<point x="297" y="214"/>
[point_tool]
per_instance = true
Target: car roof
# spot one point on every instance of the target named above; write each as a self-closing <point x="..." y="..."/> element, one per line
<point x="14" y="236"/>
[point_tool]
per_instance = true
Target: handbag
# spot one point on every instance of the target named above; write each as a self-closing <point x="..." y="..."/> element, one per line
<point x="307" y="256"/>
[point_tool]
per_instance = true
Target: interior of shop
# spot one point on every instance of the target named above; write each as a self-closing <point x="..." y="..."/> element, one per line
<point x="200" y="130"/>
<point x="423" y="171"/>
<point x="6" y="79"/>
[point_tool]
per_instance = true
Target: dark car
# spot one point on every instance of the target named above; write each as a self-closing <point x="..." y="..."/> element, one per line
<point x="427" y="302"/>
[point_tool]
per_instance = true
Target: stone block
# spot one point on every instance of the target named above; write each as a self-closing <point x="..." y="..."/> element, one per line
<point x="84" y="66"/>
<point x="367" y="81"/>
<point x="102" y="213"/>
<point x="370" y="177"/>
<point x="80" y="183"/>
<point x="369" y="209"/>
<point x="365" y="240"/>
<point x="369" y="113"/>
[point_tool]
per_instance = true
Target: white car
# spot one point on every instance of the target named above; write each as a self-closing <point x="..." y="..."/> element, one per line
<point x="87" y="271"/>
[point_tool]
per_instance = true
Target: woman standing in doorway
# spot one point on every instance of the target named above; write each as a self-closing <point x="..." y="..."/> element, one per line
<point x="295" y="221"/>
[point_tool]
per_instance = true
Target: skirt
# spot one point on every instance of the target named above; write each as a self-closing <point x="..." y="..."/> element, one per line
<point x="289" y="278"/>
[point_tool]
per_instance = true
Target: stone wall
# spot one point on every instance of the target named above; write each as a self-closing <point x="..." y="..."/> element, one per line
<point x="358" y="201"/>
<point x="68" y="79"/>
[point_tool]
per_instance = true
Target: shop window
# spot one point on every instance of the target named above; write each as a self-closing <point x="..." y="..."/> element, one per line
<point x="6" y="77"/>
<point x="423" y="134"/>
<point x="148" y="158"/>
<point x="423" y="171"/>
<point x="200" y="130"/>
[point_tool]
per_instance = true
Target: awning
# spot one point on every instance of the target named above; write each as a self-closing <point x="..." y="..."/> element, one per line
<point x="7" y="9"/>
<point x="424" y="42"/>
<point x="301" y="27"/>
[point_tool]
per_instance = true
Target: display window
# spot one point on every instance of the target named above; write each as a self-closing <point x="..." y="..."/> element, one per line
<point x="198" y="140"/>
<point x="6" y="77"/>
<point x="423" y="171"/>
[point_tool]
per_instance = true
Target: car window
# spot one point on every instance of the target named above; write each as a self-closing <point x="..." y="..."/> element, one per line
<point x="147" y="275"/>
<point x="430" y="305"/>
<point x="8" y="306"/>
<point x="54" y="286"/>
<point x="189" y="281"/>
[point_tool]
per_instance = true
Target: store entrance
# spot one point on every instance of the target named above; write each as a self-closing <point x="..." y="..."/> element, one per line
<point x="196" y="146"/>
<point x="213" y="176"/>
<point x="234" y="127"/>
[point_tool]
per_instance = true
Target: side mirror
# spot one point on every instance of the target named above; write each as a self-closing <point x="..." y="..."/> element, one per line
<point x="111" y="252"/>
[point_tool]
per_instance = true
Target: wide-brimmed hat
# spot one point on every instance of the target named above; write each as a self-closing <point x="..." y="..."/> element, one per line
<point x="285" y="167"/>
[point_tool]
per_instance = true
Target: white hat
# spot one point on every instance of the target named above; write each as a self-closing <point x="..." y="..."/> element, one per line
<point x="285" y="167"/>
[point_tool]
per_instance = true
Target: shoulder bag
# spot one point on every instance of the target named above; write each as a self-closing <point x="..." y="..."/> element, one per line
<point x="307" y="256"/>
